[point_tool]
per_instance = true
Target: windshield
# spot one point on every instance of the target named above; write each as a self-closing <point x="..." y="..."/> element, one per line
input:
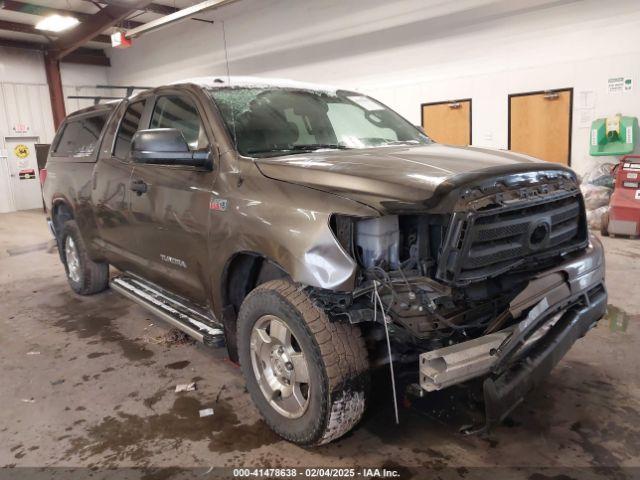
<point x="279" y="121"/>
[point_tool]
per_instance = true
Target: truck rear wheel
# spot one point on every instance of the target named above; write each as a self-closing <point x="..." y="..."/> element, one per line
<point x="308" y="376"/>
<point x="85" y="276"/>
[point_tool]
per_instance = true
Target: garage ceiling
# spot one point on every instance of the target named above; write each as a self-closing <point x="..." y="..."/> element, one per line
<point x="19" y="17"/>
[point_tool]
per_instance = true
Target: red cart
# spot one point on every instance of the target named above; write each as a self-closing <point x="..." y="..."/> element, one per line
<point x="624" y="208"/>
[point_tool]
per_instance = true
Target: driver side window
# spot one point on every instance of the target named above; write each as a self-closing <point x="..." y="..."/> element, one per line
<point x="173" y="111"/>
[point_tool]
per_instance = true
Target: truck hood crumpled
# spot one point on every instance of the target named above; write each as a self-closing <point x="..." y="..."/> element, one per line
<point x="397" y="176"/>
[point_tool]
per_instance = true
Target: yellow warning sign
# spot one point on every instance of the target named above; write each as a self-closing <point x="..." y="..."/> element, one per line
<point x="21" y="151"/>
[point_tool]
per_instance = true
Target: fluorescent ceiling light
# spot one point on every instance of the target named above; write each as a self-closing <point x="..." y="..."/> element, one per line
<point x="57" y="23"/>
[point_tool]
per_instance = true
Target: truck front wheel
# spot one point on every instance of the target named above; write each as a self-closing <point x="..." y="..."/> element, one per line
<point x="308" y="376"/>
<point x="83" y="274"/>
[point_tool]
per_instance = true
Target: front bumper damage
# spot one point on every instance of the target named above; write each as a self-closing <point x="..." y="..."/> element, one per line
<point x="562" y="304"/>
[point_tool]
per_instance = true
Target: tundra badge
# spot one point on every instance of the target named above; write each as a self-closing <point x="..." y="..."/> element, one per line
<point x="173" y="260"/>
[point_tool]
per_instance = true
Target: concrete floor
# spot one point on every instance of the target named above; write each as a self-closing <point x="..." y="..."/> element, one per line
<point x="100" y="393"/>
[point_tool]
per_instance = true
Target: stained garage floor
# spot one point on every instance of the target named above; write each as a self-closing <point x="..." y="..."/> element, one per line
<point x="89" y="382"/>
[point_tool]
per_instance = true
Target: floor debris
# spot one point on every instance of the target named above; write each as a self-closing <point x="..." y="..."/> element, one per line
<point x="206" y="412"/>
<point x="186" y="387"/>
<point x="172" y="337"/>
<point x="33" y="353"/>
<point x="618" y="319"/>
<point x="29" y="400"/>
<point x="220" y="392"/>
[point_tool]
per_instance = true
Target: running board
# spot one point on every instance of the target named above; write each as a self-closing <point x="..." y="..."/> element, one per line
<point x="174" y="310"/>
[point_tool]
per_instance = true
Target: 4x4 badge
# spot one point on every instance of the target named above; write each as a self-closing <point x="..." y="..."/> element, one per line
<point x="219" y="205"/>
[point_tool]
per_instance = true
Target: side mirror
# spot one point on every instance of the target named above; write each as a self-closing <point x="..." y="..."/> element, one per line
<point x="166" y="146"/>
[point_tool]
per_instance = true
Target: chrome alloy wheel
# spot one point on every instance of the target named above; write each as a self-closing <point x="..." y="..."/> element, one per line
<point x="280" y="366"/>
<point x="73" y="260"/>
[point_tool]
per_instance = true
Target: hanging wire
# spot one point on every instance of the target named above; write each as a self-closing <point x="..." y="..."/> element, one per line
<point x="378" y="301"/>
<point x="226" y="52"/>
<point x="226" y="60"/>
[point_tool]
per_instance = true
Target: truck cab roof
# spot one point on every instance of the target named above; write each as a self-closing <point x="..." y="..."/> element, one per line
<point x="255" y="82"/>
<point x="101" y="107"/>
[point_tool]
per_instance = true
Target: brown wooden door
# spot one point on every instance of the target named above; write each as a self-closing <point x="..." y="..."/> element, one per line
<point x="448" y="122"/>
<point x="540" y="124"/>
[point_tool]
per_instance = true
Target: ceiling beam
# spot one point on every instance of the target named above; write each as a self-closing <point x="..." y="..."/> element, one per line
<point x="27" y="28"/>
<point x="5" y="42"/>
<point x="83" y="56"/>
<point x="156" y="8"/>
<point x="56" y="94"/>
<point x="88" y="30"/>
<point x="87" y="58"/>
<point x="161" y="9"/>
<point x="178" y="16"/>
<point x="42" y="11"/>
<point x="19" y="27"/>
<point x="32" y="9"/>
<point x="151" y="7"/>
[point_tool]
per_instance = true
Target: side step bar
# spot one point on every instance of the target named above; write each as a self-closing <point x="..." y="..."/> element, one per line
<point x="172" y="309"/>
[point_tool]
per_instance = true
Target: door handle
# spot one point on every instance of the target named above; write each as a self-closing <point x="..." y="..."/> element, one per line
<point x="139" y="187"/>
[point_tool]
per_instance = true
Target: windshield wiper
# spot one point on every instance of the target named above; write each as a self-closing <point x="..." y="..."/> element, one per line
<point x="319" y="146"/>
<point x="402" y="142"/>
<point x="310" y="147"/>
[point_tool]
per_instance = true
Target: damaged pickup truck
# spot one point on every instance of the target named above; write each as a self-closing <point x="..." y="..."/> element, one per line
<point x="318" y="235"/>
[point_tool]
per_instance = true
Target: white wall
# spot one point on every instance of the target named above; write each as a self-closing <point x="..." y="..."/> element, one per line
<point x="24" y="99"/>
<point x="409" y="52"/>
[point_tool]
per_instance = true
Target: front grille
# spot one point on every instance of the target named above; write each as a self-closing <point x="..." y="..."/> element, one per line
<point x="486" y="243"/>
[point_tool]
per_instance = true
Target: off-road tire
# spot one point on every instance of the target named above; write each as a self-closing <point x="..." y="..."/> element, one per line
<point x="337" y="362"/>
<point x="94" y="276"/>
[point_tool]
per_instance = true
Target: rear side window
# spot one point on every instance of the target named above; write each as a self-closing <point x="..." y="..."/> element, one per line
<point x="80" y="137"/>
<point x="128" y="127"/>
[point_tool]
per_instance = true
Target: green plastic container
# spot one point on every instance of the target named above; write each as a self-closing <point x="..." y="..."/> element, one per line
<point x="616" y="135"/>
